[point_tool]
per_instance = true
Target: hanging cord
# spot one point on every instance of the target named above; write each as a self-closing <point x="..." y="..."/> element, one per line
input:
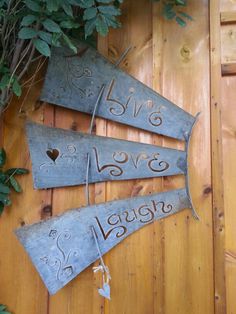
<point x="106" y="277"/>
<point x="102" y="266"/>
<point x="90" y="132"/>
<point x="118" y="62"/>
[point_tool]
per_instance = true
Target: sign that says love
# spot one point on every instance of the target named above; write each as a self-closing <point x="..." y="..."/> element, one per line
<point x="59" y="158"/>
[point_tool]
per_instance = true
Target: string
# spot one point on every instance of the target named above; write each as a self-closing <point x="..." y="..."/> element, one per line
<point x="102" y="267"/>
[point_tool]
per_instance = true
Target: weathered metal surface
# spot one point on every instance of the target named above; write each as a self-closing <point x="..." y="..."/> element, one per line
<point x="75" y="81"/>
<point x="59" y="158"/>
<point x="63" y="246"/>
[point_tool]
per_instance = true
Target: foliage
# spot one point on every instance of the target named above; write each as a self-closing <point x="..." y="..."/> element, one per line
<point x="30" y="26"/>
<point x="171" y="11"/>
<point x="3" y="309"/>
<point x="8" y="182"/>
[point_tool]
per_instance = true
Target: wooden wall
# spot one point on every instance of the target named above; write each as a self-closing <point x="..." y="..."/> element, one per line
<point x="174" y="266"/>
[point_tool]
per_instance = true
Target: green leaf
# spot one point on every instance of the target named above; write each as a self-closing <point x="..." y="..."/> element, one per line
<point x="27" y="33"/>
<point x="168" y="6"/>
<point x="89" y="27"/>
<point x="90" y="13"/>
<point x="56" y="37"/>
<point x="28" y="20"/>
<point x="52" y="5"/>
<point x="13" y="171"/>
<point x="104" y="1"/>
<point x="51" y="26"/>
<point x="67" y="8"/>
<point x="45" y="36"/>
<point x="85" y="3"/>
<point x="111" y="21"/>
<point x="42" y="47"/>
<point x="3" y="177"/>
<point x="2" y="307"/>
<point x="16" y="186"/>
<point x="4" y="198"/>
<point x="4" y="69"/>
<point x="4" y="189"/>
<point x="169" y="15"/>
<point x="33" y="5"/>
<point x="180" y="2"/>
<point x="109" y="9"/>
<point x="188" y="17"/>
<point x="3" y="157"/>
<point x="16" y="88"/>
<point x="5" y="81"/>
<point x="180" y="21"/>
<point x="101" y="26"/>
<point x="69" y="43"/>
<point x="1" y="210"/>
<point x="69" y="24"/>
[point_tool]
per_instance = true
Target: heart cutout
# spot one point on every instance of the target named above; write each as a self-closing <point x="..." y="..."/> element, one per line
<point x="53" y="154"/>
<point x="105" y="291"/>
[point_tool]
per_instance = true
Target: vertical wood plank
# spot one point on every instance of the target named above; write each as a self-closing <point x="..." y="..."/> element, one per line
<point x="229" y="157"/>
<point x="188" y="259"/>
<point x="78" y="294"/>
<point x="216" y="158"/>
<point x="131" y="262"/>
<point x="21" y="287"/>
<point x="158" y="226"/>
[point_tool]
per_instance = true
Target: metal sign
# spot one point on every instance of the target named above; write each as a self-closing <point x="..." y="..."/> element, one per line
<point x="62" y="247"/>
<point x="59" y="158"/>
<point x="80" y="81"/>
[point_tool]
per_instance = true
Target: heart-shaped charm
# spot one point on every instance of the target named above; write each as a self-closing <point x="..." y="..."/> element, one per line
<point x="53" y="154"/>
<point x="105" y="291"/>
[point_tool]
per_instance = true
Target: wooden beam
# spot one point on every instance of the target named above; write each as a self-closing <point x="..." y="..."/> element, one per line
<point x="228" y="69"/>
<point x="228" y="17"/>
<point x="228" y="48"/>
<point x="217" y="160"/>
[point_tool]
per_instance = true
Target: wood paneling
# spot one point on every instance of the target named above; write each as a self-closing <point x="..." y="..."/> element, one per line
<point x="229" y="155"/>
<point x="216" y="159"/>
<point x="173" y="266"/>
<point x="185" y="81"/>
<point x="21" y="287"/>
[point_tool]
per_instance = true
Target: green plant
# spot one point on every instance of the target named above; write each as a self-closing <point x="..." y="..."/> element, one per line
<point x="3" y="309"/>
<point x="171" y="11"/>
<point x="8" y="181"/>
<point x="30" y="26"/>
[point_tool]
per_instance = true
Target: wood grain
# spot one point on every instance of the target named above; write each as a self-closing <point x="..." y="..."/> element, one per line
<point x="185" y="51"/>
<point x="217" y="159"/>
<point x="131" y="264"/>
<point x="229" y="155"/>
<point x="228" y="17"/>
<point x="170" y="267"/>
<point x="21" y="287"/>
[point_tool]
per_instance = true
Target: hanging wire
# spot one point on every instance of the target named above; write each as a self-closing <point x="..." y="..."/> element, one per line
<point x="105" y="290"/>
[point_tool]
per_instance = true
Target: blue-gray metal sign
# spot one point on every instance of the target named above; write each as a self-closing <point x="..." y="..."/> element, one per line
<point x="59" y="158"/>
<point x="76" y="82"/>
<point x="63" y="246"/>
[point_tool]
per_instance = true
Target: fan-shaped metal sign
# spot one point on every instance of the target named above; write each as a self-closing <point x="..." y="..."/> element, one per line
<point x="59" y="158"/>
<point x="62" y="247"/>
<point x="75" y="82"/>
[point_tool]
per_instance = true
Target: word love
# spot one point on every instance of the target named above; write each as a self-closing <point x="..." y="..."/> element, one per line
<point x="76" y="82"/>
<point x="59" y="158"/>
<point x="64" y="246"/>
